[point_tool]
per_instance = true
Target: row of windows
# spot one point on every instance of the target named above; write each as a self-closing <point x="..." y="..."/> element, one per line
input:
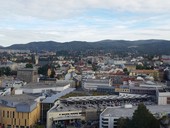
<point x="10" y="126"/>
<point x="72" y="113"/>
<point x="11" y="114"/>
<point x="14" y="122"/>
<point x="103" y="119"/>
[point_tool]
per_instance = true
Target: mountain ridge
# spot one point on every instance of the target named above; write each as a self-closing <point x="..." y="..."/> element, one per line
<point x="142" y="46"/>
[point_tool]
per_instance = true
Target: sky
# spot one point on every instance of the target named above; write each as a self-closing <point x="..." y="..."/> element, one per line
<point x="24" y="21"/>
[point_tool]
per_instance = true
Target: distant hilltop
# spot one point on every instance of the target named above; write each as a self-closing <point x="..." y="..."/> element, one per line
<point x="117" y="46"/>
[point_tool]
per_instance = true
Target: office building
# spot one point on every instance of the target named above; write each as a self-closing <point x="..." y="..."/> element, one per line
<point x="19" y="111"/>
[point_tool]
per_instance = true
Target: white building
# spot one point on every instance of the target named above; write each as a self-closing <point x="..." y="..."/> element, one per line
<point x="163" y="97"/>
<point x="42" y="87"/>
<point x="92" y="84"/>
<point x="166" y="59"/>
<point x="110" y="116"/>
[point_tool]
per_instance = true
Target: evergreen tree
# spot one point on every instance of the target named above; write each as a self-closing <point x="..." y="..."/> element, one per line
<point x="141" y="118"/>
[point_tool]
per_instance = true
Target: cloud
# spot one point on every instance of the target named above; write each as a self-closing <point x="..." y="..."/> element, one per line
<point x="23" y="21"/>
<point x="52" y="9"/>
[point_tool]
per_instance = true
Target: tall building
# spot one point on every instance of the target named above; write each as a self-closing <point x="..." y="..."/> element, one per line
<point x="27" y="74"/>
<point x="19" y="111"/>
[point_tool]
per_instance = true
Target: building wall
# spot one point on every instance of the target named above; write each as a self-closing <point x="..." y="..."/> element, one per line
<point x="163" y="98"/>
<point x="40" y="90"/>
<point x="127" y="90"/>
<point x="63" y="115"/>
<point x="27" y="75"/>
<point x="142" y="91"/>
<point x="108" y="122"/>
<point x="9" y="116"/>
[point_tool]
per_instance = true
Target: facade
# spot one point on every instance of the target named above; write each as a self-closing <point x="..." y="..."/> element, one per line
<point x="105" y="89"/>
<point x="143" y="90"/>
<point x="43" y="87"/>
<point x="163" y="97"/>
<point x="130" y="67"/>
<point x="28" y="74"/>
<point x="93" y="84"/>
<point x="165" y="59"/>
<point x="122" y="89"/>
<point x="110" y="116"/>
<point x="19" y="111"/>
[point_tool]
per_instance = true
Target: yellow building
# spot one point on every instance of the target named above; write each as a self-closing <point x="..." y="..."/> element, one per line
<point x="122" y="90"/>
<point x="130" y="67"/>
<point x="153" y="73"/>
<point x="19" y="111"/>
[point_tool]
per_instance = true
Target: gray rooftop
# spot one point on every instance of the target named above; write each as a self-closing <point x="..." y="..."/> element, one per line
<point x="128" y="112"/>
<point x="98" y="102"/>
<point x="55" y="97"/>
<point x="44" y="85"/>
<point x="22" y="103"/>
<point x="106" y="97"/>
<point x="103" y="81"/>
<point x="19" y="98"/>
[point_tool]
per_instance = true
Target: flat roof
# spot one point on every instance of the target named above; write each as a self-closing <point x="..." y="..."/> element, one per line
<point x="19" y="98"/>
<point x="100" y="98"/>
<point x="128" y="112"/>
<point x="90" y="102"/>
<point x="44" y="85"/>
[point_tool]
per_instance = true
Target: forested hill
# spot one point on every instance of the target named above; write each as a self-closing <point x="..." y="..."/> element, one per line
<point x="139" y="46"/>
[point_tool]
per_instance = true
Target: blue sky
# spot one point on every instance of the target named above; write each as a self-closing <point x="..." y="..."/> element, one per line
<point x="23" y="21"/>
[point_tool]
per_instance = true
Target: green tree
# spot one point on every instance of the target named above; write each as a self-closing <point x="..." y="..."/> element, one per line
<point x="7" y="71"/>
<point x="52" y="73"/>
<point x="125" y="70"/>
<point x="123" y="122"/>
<point x="142" y="118"/>
<point x="28" y="66"/>
<point x="43" y="70"/>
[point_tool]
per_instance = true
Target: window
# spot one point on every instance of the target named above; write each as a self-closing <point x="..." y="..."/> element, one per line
<point x="3" y="113"/>
<point x="25" y="122"/>
<point x="104" y="126"/>
<point x="104" y="119"/>
<point x="7" y="114"/>
<point x="104" y="122"/>
<point x="13" y="114"/>
<point x="8" y="126"/>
